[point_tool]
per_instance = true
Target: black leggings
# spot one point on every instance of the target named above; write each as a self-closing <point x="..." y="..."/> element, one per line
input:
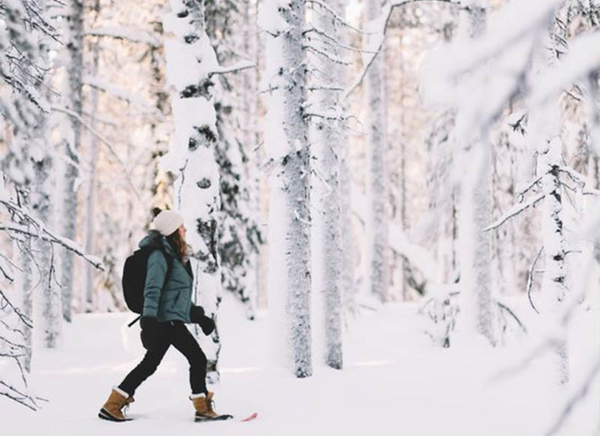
<point x="166" y="334"/>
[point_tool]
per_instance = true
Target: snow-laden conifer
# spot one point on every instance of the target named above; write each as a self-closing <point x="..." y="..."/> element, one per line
<point x="191" y="62"/>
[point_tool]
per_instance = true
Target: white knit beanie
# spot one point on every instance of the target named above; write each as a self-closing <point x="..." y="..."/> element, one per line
<point x="167" y="222"/>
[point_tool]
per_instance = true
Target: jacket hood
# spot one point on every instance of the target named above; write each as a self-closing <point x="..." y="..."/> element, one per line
<point x="155" y="239"/>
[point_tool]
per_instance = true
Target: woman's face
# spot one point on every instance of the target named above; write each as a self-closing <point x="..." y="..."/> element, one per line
<point x="182" y="231"/>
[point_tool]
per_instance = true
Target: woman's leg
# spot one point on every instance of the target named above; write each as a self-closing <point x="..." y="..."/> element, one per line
<point x="187" y="345"/>
<point x="151" y="360"/>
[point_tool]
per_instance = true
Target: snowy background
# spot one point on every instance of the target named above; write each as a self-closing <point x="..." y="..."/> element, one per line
<point x="392" y="209"/>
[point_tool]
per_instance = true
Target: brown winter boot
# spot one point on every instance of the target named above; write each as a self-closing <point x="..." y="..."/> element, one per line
<point x="204" y="408"/>
<point x="113" y="408"/>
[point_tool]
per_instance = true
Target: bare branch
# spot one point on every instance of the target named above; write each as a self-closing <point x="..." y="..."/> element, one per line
<point x="335" y="16"/>
<point x="512" y="314"/>
<point x="517" y="209"/>
<point x="332" y="41"/>
<point x="385" y="18"/>
<point x="240" y="66"/>
<point x="577" y="397"/>
<point x="326" y="55"/>
<point x="104" y="141"/>
<point x="530" y="278"/>
<point x="24" y="318"/>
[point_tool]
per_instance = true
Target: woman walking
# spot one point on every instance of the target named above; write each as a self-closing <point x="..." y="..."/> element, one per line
<point x="167" y="307"/>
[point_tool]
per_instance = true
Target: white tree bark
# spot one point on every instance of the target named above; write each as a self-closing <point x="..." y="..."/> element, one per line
<point x="91" y="198"/>
<point x="477" y="305"/>
<point x="377" y="189"/>
<point x="287" y="144"/>
<point x="327" y="144"/>
<point x="72" y="57"/>
<point x="544" y="132"/>
<point x="250" y="82"/>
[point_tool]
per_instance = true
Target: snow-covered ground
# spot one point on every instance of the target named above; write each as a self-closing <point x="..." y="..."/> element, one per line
<point x="394" y="383"/>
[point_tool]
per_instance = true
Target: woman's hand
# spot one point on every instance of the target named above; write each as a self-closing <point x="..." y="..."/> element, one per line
<point x="149" y="333"/>
<point x="197" y="316"/>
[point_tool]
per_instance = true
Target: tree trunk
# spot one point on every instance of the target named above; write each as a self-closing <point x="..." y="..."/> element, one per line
<point x="192" y="154"/>
<point x="377" y="190"/>
<point x="72" y="91"/>
<point x="90" y="198"/>
<point x="251" y="85"/>
<point x="477" y="305"/>
<point x="327" y="145"/>
<point x="289" y="220"/>
<point x="544" y="133"/>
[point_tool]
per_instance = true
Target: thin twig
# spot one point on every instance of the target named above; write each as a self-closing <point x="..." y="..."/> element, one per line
<point x="386" y="14"/>
<point x="104" y="141"/>
<point x="530" y="279"/>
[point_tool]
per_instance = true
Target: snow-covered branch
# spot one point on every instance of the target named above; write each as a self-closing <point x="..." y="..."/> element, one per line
<point x="40" y="231"/>
<point x="237" y="67"/>
<point x="121" y="94"/>
<point x="583" y="57"/>
<point x="128" y="34"/>
<point x="517" y="209"/>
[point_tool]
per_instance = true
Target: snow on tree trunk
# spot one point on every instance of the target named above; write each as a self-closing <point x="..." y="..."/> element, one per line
<point x="545" y="130"/>
<point x="25" y="290"/>
<point x="477" y="304"/>
<point x="288" y="148"/>
<point x="91" y="198"/>
<point x="348" y="282"/>
<point x="190" y="63"/>
<point x="72" y="37"/>
<point x="327" y="144"/>
<point x="378" y="252"/>
<point x="250" y="82"/>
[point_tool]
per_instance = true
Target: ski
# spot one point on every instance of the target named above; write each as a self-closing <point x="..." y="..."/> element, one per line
<point x="248" y="418"/>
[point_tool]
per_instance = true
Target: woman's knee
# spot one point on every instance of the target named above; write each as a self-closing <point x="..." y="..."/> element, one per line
<point x="197" y="358"/>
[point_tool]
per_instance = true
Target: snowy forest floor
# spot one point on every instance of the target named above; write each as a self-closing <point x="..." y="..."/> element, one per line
<point x="394" y="382"/>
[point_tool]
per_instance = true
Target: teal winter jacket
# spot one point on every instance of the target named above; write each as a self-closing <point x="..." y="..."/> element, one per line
<point x="173" y="301"/>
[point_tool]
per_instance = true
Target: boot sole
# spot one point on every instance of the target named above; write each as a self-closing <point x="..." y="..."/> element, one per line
<point x="103" y="414"/>
<point x="201" y="418"/>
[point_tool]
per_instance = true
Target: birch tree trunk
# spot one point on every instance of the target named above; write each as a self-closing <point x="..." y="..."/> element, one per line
<point x="377" y="189"/>
<point x="72" y="92"/>
<point x="327" y="193"/>
<point x="474" y="215"/>
<point x="288" y="147"/>
<point x="190" y="62"/>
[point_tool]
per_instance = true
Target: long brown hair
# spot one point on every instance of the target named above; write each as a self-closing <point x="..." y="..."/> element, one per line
<point x="179" y="244"/>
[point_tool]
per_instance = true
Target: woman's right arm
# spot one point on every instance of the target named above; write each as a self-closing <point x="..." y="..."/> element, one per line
<point x="155" y="279"/>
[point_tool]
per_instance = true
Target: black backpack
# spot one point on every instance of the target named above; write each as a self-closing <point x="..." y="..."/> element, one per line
<point x="134" y="278"/>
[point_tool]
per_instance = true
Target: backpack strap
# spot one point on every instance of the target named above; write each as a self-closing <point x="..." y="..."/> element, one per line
<point x="169" y="260"/>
